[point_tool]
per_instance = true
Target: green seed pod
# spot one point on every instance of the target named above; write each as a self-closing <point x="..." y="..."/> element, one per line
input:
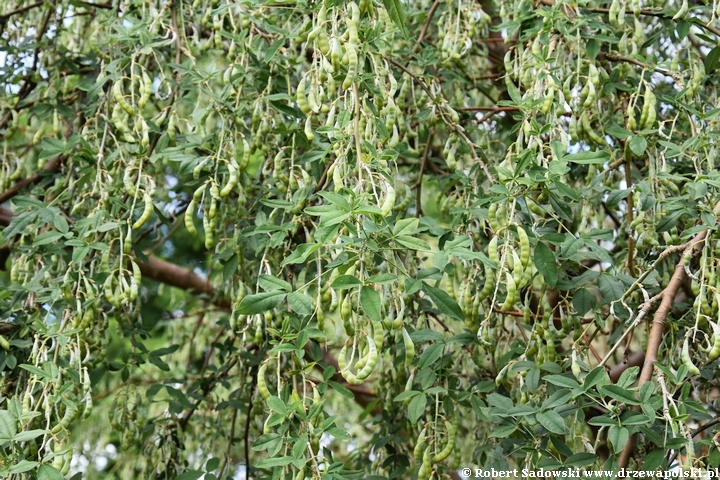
<point x="409" y="348"/>
<point x="511" y="293"/>
<point x="420" y="446"/>
<point x="120" y="99"/>
<point x="449" y="446"/>
<point x="302" y="99"/>
<point x="489" y="284"/>
<point x="189" y="213"/>
<point x="145" y="90"/>
<point x="308" y="129"/>
<point x="685" y="357"/>
<point x="261" y="382"/>
<point x="147" y="212"/>
<point x="352" y="65"/>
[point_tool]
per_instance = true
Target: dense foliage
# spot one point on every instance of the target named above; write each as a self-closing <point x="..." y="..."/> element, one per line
<point x="352" y="240"/>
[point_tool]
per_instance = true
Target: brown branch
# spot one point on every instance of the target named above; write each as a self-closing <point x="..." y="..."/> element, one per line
<point x="5" y="16"/>
<point x="633" y="360"/>
<point x="427" y="23"/>
<point x="651" y="13"/>
<point x="51" y="166"/>
<point x="216" y="378"/>
<point x="487" y="116"/>
<point x="417" y="186"/>
<point x="323" y="178"/>
<point x="617" y="58"/>
<point x="490" y="109"/>
<point x="658" y="328"/>
<point x="176" y="276"/>
<point x="630" y="207"/>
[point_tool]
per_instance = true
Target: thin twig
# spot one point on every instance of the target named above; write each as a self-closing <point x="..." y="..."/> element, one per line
<point x="658" y="326"/>
<point x="490" y="109"/>
<point x="424" y="159"/>
<point x="246" y="435"/>
<point x="617" y="58"/>
<point x="630" y="209"/>
<point x="230" y="442"/>
<point x="418" y="184"/>
<point x="427" y="23"/>
<point x="651" y="13"/>
<point x="19" y="10"/>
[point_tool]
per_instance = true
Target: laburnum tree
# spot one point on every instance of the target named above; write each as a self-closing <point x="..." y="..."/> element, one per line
<point x="358" y="239"/>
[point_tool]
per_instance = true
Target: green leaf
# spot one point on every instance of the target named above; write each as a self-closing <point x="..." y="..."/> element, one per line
<point x="301" y="253"/>
<point x="8" y="426"/>
<point x="594" y="377"/>
<point x="371" y="303"/>
<point x="593" y="48"/>
<point x="610" y="288"/>
<point x="584" y="158"/>
<point x="382" y="279"/>
<point x="711" y="61"/>
<point x="267" y="441"/>
<point x="300" y="303"/>
<point x="61" y="225"/>
<point x="583" y="301"/>
<point x="338" y="433"/>
<point x="40" y="373"/>
<point x="502" y="431"/>
<point x="260" y="302"/>
<point x="514" y="93"/>
<point x="342" y="390"/>
<point x="409" y="394"/>
<point x="344" y="282"/>
<point x="682" y="29"/>
<point x="546" y="264"/>
<point x="552" y="422"/>
<point x="47" y="237"/>
<point x="618" y="437"/>
<point x="405" y="226"/>
<point x="602" y="420"/>
<point x="444" y="302"/>
<point x="430" y="355"/>
<point x="500" y="401"/>
<point x="270" y="283"/>
<point x="397" y="15"/>
<point x="412" y="243"/>
<point x="416" y="408"/>
<point x="51" y="147"/>
<point x="582" y="459"/>
<point x="276" y="405"/>
<point x="275" y="462"/>
<point x="46" y="472"/>
<point x="656" y="458"/>
<point x="212" y="464"/>
<point x="562" y="381"/>
<point x="28" y="435"/>
<point x="270" y="52"/>
<point x="619" y="393"/>
<point x="638" y="145"/>
<point x="22" y="466"/>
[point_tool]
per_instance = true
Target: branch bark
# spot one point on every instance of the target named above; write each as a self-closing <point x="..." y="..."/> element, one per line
<point x="658" y="328"/>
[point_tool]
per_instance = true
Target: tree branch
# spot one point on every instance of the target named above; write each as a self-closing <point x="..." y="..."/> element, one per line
<point x="176" y="276"/>
<point x="658" y="328"/>
<point x="427" y="22"/>
<point x="51" y="166"/>
<point x="617" y="58"/>
<point x="5" y="16"/>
